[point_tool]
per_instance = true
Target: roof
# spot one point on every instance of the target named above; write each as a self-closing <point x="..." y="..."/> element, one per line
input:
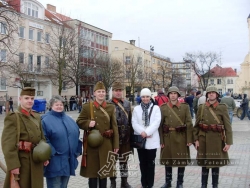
<point x="223" y="72"/>
<point x="55" y="17"/>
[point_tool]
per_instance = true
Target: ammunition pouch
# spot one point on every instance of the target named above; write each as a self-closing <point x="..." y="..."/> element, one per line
<point x="165" y="129"/>
<point x="181" y="129"/>
<point x="212" y="127"/>
<point x="25" y="146"/>
<point x="108" y="133"/>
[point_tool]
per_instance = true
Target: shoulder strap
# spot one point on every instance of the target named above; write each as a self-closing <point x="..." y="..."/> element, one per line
<point x="202" y="109"/>
<point x="175" y="114"/>
<point x="104" y="111"/>
<point x="119" y="104"/>
<point x="213" y="114"/>
<point x="91" y="110"/>
<point x="151" y="109"/>
<point x="18" y="128"/>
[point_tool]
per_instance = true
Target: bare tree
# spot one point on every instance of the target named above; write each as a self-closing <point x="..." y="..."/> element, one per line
<point x="202" y="63"/>
<point x="164" y="73"/>
<point x="177" y="79"/>
<point x="152" y="78"/>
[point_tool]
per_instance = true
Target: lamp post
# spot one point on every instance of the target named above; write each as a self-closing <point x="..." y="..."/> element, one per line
<point x="6" y="104"/>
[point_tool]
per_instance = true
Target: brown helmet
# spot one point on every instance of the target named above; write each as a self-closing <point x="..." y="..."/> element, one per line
<point x="173" y="89"/>
<point x="211" y="89"/>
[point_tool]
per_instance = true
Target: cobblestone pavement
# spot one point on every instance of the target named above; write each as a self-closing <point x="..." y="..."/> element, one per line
<point x="231" y="176"/>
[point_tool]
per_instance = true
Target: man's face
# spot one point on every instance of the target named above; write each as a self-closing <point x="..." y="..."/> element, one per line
<point x="26" y="101"/>
<point x="100" y="94"/>
<point x="117" y="93"/>
<point x="173" y="96"/>
<point x="212" y="96"/>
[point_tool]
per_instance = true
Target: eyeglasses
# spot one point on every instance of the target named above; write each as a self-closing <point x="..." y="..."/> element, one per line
<point x="145" y="96"/>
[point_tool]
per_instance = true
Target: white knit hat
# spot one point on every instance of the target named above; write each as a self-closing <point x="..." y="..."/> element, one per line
<point x="145" y="92"/>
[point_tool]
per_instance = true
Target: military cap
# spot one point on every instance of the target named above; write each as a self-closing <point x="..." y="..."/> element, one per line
<point x="28" y="91"/>
<point x="99" y="85"/>
<point x="173" y="89"/>
<point x="117" y="85"/>
<point x="212" y="89"/>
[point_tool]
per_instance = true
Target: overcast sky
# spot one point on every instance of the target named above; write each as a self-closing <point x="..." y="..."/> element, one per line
<point x="173" y="27"/>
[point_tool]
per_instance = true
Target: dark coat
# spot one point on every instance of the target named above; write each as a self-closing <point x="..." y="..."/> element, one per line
<point x="175" y="149"/>
<point x="97" y="157"/>
<point x="62" y="134"/>
<point x="211" y="144"/>
<point x="31" y="173"/>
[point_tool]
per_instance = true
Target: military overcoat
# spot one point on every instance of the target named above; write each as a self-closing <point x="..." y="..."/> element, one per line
<point x="31" y="173"/>
<point x="210" y="151"/>
<point x="97" y="158"/>
<point x="175" y="151"/>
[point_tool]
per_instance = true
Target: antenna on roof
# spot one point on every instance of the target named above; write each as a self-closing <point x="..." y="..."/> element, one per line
<point x="139" y="42"/>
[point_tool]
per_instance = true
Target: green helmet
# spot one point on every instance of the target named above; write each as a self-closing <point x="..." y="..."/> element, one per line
<point x="211" y="89"/>
<point x="95" y="138"/>
<point x="41" y="152"/>
<point x="173" y="89"/>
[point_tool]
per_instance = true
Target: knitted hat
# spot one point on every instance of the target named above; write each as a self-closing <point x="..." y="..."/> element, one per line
<point x="117" y="85"/>
<point x="198" y="93"/>
<point x="28" y="91"/>
<point x="145" y="92"/>
<point x="99" y="85"/>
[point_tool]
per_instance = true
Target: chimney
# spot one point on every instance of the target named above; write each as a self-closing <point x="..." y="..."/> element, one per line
<point x="132" y="42"/>
<point x="235" y="70"/>
<point x="51" y="7"/>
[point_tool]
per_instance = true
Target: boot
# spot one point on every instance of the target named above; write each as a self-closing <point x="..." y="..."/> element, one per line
<point x="112" y="182"/>
<point x="103" y="183"/>
<point x="92" y="182"/>
<point x="168" y="174"/>
<point x="180" y="177"/>
<point x="215" y="177"/>
<point x="204" y="177"/>
<point x="124" y="183"/>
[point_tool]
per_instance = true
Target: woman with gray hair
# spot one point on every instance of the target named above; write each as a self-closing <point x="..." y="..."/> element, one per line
<point x="62" y="133"/>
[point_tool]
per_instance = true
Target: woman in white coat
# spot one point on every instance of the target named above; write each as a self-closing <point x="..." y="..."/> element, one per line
<point x="147" y="127"/>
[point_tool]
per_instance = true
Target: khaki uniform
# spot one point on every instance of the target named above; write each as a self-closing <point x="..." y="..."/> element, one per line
<point x="210" y="151"/>
<point x="175" y="151"/>
<point x="97" y="157"/>
<point x="31" y="173"/>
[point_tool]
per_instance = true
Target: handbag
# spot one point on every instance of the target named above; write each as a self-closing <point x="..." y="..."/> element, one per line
<point x="137" y="141"/>
<point x="13" y="181"/>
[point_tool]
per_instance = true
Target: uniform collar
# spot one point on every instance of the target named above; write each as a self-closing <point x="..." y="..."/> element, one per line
<point x="115" y="100"/>
<point x="25" y="112"/>
<point x="103" y="105"/>
<point x="213" y="105"/>
<point x="178" y="104"/>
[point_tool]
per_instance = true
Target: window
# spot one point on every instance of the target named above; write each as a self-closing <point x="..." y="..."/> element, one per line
<point x="3" y="57"/>
<point x="30" y="63"/>
<point x="230" y="90"/>
<point x="46" y="61"/>
<point x="116" y="48"/>
<point x="212" y="81"/>
<point x="228" y="81"/>
<point x="3" y="83"/>
<point x="38" y="64"/>
<point x="219" y="81"/>
<point x="158" y="63"/>
<point x="231" y="82"/>
<point x="31" y="9"/>
<point x="21" y="32"/>
<point x="47" y="38"/>
<point x="31" y="37"/>
<point x="220" y="91"/>
<point x="127" y="59"/>
<point x="128" y="74"/>
<point x="39" y="36"/>
<point x="21" y="57"/>
<point x="64" y="86"/>
<point x="139" y="59"/>
<point x="3" y="28"/>
<point x="62" y="42"/>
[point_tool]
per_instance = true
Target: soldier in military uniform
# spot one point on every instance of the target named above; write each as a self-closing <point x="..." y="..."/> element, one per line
<point x="176" y="135"/>
<point x="18" y="153"/>
<point x="104" y="120"/>
<point x="213" y="136"/>
<point x="123" y="118"/>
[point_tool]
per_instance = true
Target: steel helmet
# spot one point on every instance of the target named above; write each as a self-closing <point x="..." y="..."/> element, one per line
<point x="95" y="138"/>
<point x="41" y="152"/>
<point x="174" y="89"/>
<point x="211" y="89"/>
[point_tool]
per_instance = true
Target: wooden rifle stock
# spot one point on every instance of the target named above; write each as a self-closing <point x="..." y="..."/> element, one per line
<point x="85" y="144"/>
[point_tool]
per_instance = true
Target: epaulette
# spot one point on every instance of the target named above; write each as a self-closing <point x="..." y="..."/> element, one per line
<point x="35" y="111"/>
<point x="108" y="102"/>
<point x="200" y="104"/>
<point x="223" y="104"/>
<point x="184" y="103"/>
<point x="164" y="104"/>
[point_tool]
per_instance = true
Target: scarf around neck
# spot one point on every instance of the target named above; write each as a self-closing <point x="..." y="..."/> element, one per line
<point x="145" y="115"/>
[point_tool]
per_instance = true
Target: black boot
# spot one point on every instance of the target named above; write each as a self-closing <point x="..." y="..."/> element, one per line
<point x="180" y="177"/>
<point x="215" y="177"/>
<point x="204" y="177"/>
<point x="168" y="174"/>
<point x="112" y="182"/>
<point x="92" y="182"/>
<point x="124" y="183"/>
<point x="103" y="183"/>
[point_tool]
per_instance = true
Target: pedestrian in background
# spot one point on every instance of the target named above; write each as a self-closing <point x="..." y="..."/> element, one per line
<point x="146" y="120"/>
<point x="79" y="104"/>
<point x="245" y="107"/>
<point x="138" y="99"/>
<point x="62" y="134"/>
<point x="66" y="104"/>
<point x="19" y="158"/>
<point x="176" y="134"/>
<point x="161" y="98"/>
<point x="195" y="101"/>
<point x="189" y="100"/>
<point x="2" y="103"/>
<point x="11" y="104"/>
<point x="229" y="101"/>
<point x="202" y="99"/>
<point x="213" y="136"/>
